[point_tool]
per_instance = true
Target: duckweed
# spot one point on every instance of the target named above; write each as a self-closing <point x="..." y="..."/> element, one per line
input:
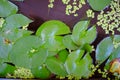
<point x="71" y="7"/>
<point x="51" y="5"/>
<point x="90" y="13"/>
<point x="21" y="72"/>
<point x="110" y="20"/>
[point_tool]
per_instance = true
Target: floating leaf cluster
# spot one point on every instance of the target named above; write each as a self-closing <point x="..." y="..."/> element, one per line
<point x="55" y="49"/>
<point x="110" y="20"/>
<point x="46" y="52"/>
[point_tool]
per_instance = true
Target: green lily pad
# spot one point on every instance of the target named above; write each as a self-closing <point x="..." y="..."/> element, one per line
<point x="4" y="51"/>
<point x="41" y="72"/>
<point x="7" y="8"/>
<point x="17" y="20"/>
<point x="79" y="32"/>
<point x="14" y="34"/>
<point x="115" y="54"/>
<point x="4" y="48"/>
<point x="62" y="55"/>
<point x="87" y="47"/>
<point x="91" y="35"/>
<point x="7" y="39"/>
<point x="70" y="64"/>
<point x="52" y="53"/>
<point x="104" y="50"/>
<point x="5" y="69"/>
<point x="56" y="66"/>
<point x="69" y="44"/>
<point x="81" y="35"/>
<point x="99" y="5"/>
<point x="83" y="68"/>
<point x="54" y="44"/>
<point x="78" y="66"/>
<point x="51" y="32"/>
<point x="26" y="52"/>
